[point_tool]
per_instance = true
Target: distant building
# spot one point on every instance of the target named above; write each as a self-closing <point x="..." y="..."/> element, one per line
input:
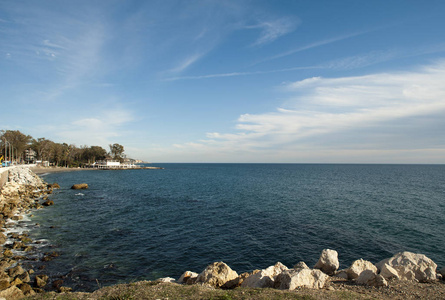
<point x="43" y="163"/>
<point x="113" y="164"/>
<point x="30" y="156"/>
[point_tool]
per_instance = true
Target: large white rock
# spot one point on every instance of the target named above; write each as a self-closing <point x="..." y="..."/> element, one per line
<point x="409" y="266"/>
<point x="328" y="262"/>
<point x="216" y="274"/>
<point x="265" y="278"/>
<point x="294" y="278"/>
<point x="358" y="266"/>
<point x="370" y="278"/>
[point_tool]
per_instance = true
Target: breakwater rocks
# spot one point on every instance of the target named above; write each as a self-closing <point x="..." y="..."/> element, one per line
<point x="402" y="266"/>
<point x="23" y="191"/>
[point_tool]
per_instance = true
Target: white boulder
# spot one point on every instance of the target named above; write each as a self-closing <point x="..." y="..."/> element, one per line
<point x="264" y="278"/>
<point x="328" y="262"/>
<point x="294" y="278"/>
<point x="408" y="266"/>
<point x="370" y="278"/>
<point x="358" y="266"/>
<point x="216" y="274"/>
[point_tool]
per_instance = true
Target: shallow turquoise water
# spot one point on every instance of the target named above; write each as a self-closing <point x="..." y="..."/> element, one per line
<point x="145" y="224"/>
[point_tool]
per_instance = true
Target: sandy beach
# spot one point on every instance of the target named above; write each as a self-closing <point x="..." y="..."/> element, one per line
<point x="44" y="170"/>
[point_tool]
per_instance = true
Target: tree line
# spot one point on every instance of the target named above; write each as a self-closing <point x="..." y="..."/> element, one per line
<point x="15" y="146"/>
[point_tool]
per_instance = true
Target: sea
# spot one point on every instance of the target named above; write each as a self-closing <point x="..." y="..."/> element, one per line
<point x="133" y="225"/>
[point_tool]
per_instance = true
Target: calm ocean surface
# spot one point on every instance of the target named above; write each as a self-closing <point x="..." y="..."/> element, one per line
<point x="144" y="224"/>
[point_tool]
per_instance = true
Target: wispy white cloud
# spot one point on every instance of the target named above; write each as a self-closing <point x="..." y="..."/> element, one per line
<point x="233" y="74"/>
<point x="186" y="63"/>
<point x="100" y="128"/>
<point x="379" y="113"/>
<point x="315" y="45"/>
<point x="274" y="29"/>
<point x="344" y="63"/>
<point x="380" y="56"/>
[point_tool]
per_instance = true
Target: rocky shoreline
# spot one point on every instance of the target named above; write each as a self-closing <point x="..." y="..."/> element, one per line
<point x="24" y="191"/>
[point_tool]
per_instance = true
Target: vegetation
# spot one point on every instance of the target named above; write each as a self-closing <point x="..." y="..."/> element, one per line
<point x="117" y="152"/>
<point x="16" y="145"/>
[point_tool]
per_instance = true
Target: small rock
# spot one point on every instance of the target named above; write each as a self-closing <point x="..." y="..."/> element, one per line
<point x="17" y="245"/>
<point x="342" y="274"/>
<point x="55" y="185"/>
<point x="16" y="271"/>
<point x="65" y="289"/>
<point x="80" y="186"/>
<point x="8" y="253"/>
<point x="216" y="274"/>
<point x="26" y="289"/>
<point x="12" y="293"/>
<point x="4" y="284"/>
<point x="358" y="266"/>
<point x="188" y="277"/>
<point x="370" y="278"/>
<point x="328" y="262"/>
<point x="295" y="278"/>
<point x="265" y="278"/>
<point x="41" y="280"/>
<point x="16" y="281"/>
<point x="25" y="277"/>
<point x="48" y="203"/>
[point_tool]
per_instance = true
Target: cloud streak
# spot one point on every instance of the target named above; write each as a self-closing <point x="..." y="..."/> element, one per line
<point x="378" y="112"/>
<point x="274" y="29"/>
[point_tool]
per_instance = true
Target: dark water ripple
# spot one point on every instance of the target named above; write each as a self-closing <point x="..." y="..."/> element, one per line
<point x="145" y="224"/>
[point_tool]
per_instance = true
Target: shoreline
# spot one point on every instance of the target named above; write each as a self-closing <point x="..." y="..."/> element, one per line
<point x="49" y="170"/>
<point x="24" y="192"/>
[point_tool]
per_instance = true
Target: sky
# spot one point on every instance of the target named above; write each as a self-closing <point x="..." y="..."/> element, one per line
<point x="241" y="81"/>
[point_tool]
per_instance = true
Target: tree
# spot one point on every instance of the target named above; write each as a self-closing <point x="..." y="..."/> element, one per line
<point x="93" y="153"/>
<point x="18" y="141"/>
<point x="43" y="148"/>
<point x="117" y="152"/>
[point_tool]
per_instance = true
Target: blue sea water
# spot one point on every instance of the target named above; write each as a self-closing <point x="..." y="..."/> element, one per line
<point x="144" y="224"/>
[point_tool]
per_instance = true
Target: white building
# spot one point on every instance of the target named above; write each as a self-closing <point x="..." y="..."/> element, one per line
<point x="112" y="164"/>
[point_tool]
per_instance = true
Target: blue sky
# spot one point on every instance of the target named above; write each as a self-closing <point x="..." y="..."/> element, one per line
<point x="229" y="81"/>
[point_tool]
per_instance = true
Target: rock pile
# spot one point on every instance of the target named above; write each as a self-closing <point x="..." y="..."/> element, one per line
<point x="402" y="266"/>
<point x="22" y="192"/>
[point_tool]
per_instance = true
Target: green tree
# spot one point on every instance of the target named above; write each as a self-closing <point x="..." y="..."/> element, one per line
<point x="19" y="142"/>
<point x="93" y="153"/>
<point x="117" y="152"/>
<point x="43" y="147"/>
